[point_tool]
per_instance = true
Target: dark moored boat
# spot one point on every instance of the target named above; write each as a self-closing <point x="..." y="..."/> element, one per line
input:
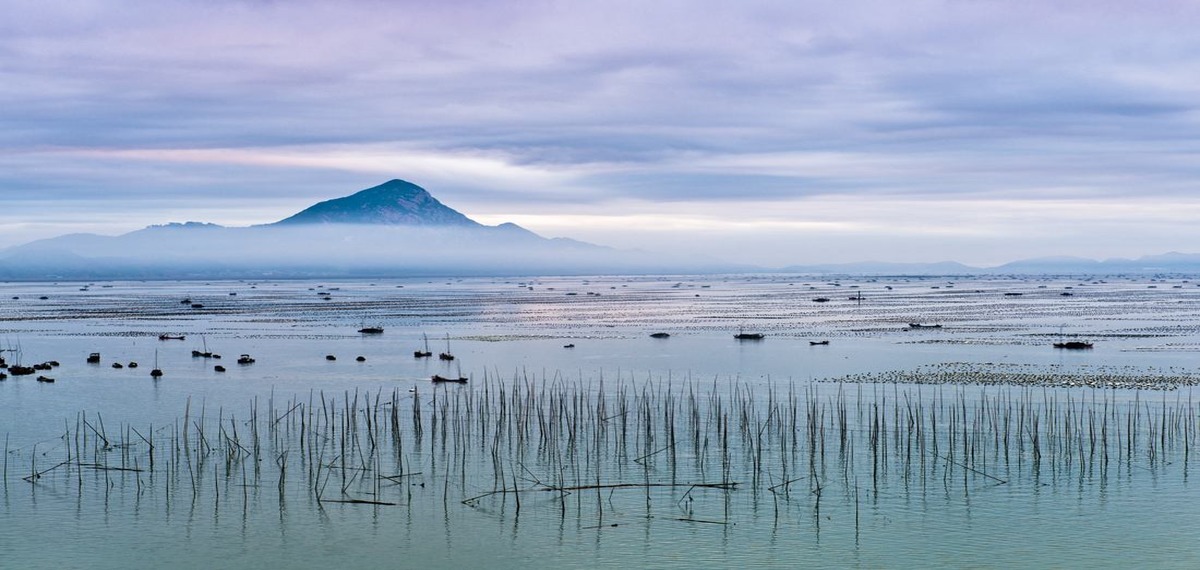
<point x="245" y="359"/>
<point x="169" y="337"/>
<point x="371" y="330"/>
<point x="459" y="380"/>
<point x="446" y="355"/>
<point x="660" y="335"/>
<point x="921" y="326"/>
<point x="94" y="358"/>
<point x="45" y="379"/>
<point x="18" y="370"/>
<point x="1073" y="345"/>
<point x="423" y="353"/>
<point x="817" y="342"/>
<point x="748" y="336"/>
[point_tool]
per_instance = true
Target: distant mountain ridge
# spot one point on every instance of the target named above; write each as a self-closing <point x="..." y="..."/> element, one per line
<point x="398" y="228"/>
<point x="394" y="229"/>
<point x="395" y="202"/>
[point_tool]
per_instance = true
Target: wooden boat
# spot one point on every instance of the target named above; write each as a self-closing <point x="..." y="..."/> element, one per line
<point x="165" y="336"/>
<point x="1073" y="345"/>
<point x="218" y="368"/>
<point x="45" y="379"/>
<point x="818" y="342"/>
<point x="156" y="372"/>
<point x="330" y="357"/>
<point x="459" y="380"/>
<point x="203" y="353"/>
<point x="423" y="353"/>
<point x="821" y="300"/>
<point x="748" y="336"/>
<point x="660" y="335"/>
<point x="118" y="365"/>
<point x="921" y="326"/>
<point x="446" y="355"/>
<point x="371" y="330"/>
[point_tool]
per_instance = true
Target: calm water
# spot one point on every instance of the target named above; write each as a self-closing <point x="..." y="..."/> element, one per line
<point x="199" y="508"/>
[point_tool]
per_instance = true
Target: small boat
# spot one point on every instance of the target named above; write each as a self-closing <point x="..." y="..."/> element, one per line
<point x="446" y="355"/>
<point x="572" y="345"/>
<point x="371" y="330"/>
<point x="156" y="372"/>
<point x="18" y="370"/>
<point x="94" y="358"/>
<point x="45" y="379"/>
<point x="203" y="353"/>
<point x="921" y="326"/>
<point x="245" y="359"/>
<point x="131" y="364"/>
<point x="1073" y="345"/>
<point x="423" y="353"/>
<point x="660" y="335"/>
<point x="821" y="300"/>
<point x="118" y="365"/>
<point x="165" y="336"/>
<point x="818" y="342"/>
<point x="360" y="359"/>
<point x="218" y="368"/>
<point x="748" y="336"/>
<point x="459" y="380"/>
<point x="330" y="357"/>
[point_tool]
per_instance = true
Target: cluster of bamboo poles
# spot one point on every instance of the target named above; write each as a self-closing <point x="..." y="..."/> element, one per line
<point x="586" y="445"/>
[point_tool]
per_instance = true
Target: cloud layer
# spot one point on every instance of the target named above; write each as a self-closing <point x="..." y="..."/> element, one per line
<point x="980" y="130"/>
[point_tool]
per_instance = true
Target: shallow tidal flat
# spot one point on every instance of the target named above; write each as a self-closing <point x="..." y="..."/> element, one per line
<point x="966" y="441"/>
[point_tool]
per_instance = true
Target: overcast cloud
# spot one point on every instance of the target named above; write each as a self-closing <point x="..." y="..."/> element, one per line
<point x="981" y="131"/>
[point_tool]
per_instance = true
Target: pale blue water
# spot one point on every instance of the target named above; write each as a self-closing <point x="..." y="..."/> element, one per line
<point x="1134" y="512"/>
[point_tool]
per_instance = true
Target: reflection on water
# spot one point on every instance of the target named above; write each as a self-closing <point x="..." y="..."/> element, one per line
<point x="693" y="450"/>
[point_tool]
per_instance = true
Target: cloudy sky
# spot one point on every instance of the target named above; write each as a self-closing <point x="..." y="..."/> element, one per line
<point x="774" y="133"/>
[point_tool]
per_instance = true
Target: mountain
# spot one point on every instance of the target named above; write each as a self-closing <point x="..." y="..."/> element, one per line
<point x="395" y="202"/>
<point x="394" y="229"/>
<point x="1173" y="262"/>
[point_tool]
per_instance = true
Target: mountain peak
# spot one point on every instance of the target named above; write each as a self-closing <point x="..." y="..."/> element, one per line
<point x="395" y="202"/>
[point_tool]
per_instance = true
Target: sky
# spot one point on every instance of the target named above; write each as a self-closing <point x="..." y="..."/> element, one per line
<point x="771" y="133"/>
